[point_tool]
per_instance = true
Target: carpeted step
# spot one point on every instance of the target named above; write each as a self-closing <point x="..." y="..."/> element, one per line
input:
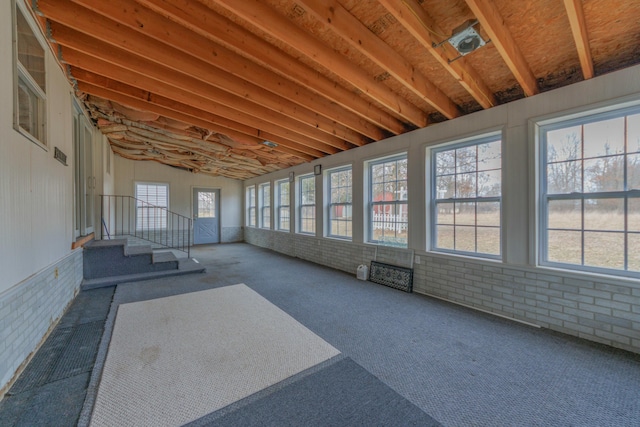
<point x="185" y="266"/>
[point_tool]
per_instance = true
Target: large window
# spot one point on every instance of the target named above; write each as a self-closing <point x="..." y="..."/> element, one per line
<point x="340" y="193"/>
<point x="466" y="194"/>
<point x="307" y="206"/>
<point x="151" y="206"/>
<point x="30" y="91"/>
<point x="251" y="206"/>
<point x="284" y="211"/>
<point x="590" y="188"/>
<point x="388" y="197"/>
<point x="265" y="205"/>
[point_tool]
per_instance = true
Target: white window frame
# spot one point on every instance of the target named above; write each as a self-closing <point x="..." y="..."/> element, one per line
<point x="265" y="206"/>
<point x="346" y="205"/>
<point x="22" y="78"/>
<point x="302" y="205"/>
<point x="395" y="225"/>
<point x="164" y="219"/>
<point x="581" y="197"/>
<point x="250" y="195"/>
<point x="436" y="200"/>
<point x="283" y="204"/>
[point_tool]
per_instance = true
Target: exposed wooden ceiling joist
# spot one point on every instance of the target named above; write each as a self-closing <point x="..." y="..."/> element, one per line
<point x="279" y="27"/>
<point x="575" y="14"/>
<point x="489" y="16"/>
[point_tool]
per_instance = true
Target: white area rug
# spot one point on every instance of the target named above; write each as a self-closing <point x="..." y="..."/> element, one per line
<point x="173" y="360"/>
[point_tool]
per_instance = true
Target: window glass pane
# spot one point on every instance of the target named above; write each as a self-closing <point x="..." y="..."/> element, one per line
<point x="465" y="213"/>
<point x="604" y="250"/>
<point x="565" y="177"/>
<point x="206" y="204"/>
<point x="564" y="144"/>
<point x="604" y="138"/>
<point x="489" y="240"/>
<point x="633" y="172"/>
<point x="465" y="239"/>
<point x="466" y="185"/>
<point x="444" y="237"/>
<point x="633" y="133"/>
<point x="633" y="220"/>
<point x="604" y="214"/>
<point x="565" y="247"/>
<point x="490" y="156"/>
<point x="446" y="162"/>
<point x="605" y="174"/>
<point x="444" y="212"/>
<point x="566" y="214"/>
<point x="29" y="110"/>
<point x="30" y="53"/>
<point x="488" y="213"/>
<point x="445" y="187"/>
<point x="466" y="159"/>
<point x="634" y="252"/>
<point x="489" y="183"/>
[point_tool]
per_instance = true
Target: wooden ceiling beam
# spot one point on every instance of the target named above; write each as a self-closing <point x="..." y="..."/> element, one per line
<point x="128" y="97"/>
<point x="270" y="21"/>
<point x="191" y="89"/>
<point x="335" y="17"/>
<point x="316" y="109"/>
<point x="236" y="92"/>
<point x="575" y="13"/>
<point x="415" y="19"/>
<point x="199" y="18"/>
<point x="493" y="23"/>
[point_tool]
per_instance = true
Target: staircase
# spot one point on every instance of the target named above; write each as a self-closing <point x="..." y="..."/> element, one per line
<point x="111" y="262"/>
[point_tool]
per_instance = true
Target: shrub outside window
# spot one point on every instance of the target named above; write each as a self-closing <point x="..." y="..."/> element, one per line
<point x="307" y="207"/>
<point x="284" y="212"/>
<point x="590" y="193"/>
<point x="340" y="199"/>
<point x="388" y="202"/>
<point x="466" y="194"/>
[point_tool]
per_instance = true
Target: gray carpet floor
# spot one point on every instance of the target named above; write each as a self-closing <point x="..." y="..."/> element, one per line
<point x="458" y="367"/>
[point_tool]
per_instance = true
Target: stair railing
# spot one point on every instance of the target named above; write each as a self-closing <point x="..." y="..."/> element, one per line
<point x="128" y="216"/>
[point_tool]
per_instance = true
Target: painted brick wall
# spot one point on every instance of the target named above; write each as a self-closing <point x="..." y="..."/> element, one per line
<point x="30" y="308"/>
<point x="231" y="234"/>
<point x="592" y="307"/>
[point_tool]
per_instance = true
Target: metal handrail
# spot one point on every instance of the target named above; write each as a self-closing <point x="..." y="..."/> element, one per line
<point x="129" y="216"/>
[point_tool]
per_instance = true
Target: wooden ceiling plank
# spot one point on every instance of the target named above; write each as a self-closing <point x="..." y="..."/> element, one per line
<point x="270" y="21"/>
<point x="130" y="99"/>
<point x="203" y="78"/>
<point x="316" y="109"/>
<point x="178" y="82"/>
<point x="206" y="22"/>
<point x="575" y="13"/>
<point x="493" y="23"/>
<point x="415" y="19"/>
<point x="335" y="17"/>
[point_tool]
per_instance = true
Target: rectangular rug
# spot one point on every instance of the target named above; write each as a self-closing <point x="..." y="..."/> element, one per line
<point x="173" y="360"/>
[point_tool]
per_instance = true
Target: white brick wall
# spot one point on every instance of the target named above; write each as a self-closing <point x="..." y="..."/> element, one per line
<point x="30" y="308"/>
<point x="591" y="307"/>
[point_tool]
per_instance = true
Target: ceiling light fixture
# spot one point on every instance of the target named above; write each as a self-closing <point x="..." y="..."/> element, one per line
<point x="465" y="39"/>
<point x="270" y="144"/>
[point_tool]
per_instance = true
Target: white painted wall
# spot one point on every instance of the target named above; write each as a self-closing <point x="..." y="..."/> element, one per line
<point x="181" y="184"/>
<point x="36" y="191"/>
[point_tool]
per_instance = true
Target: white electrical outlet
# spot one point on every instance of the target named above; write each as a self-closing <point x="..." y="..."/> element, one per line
<point x="417" y="259"/>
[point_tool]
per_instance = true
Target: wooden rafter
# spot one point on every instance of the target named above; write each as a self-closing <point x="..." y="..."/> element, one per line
<point x="489" y="16"/>
<point x="422" y="27"/>
<point x="332" y="15"/>
<point x="575" y="13"/>
<point x="204" y="21"/>
<point x="229" y="89"/>
<point x="270" y="21"/>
